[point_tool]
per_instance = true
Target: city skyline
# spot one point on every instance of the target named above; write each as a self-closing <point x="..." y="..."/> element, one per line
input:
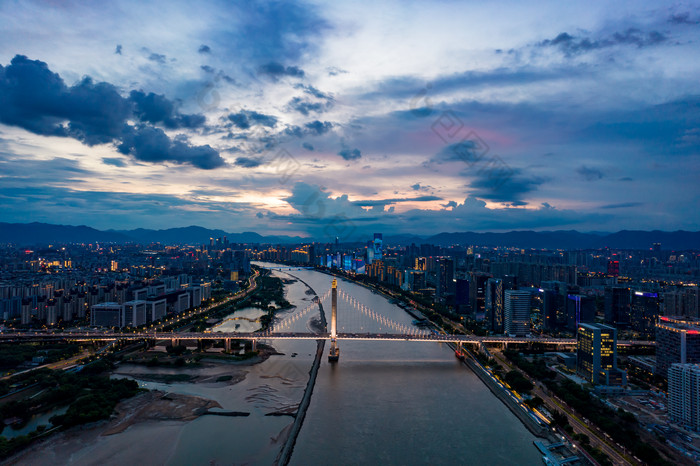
<point x="296" y="118"/>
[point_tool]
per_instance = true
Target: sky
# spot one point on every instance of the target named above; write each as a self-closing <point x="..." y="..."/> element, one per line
<point x="325" y="119"/>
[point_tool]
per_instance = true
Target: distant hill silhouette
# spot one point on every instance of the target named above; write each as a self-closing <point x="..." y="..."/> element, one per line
<point x="572" y="239"/>
<point x="28" y="234"/>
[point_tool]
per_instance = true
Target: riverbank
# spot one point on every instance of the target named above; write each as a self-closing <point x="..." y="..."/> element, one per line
<point x="158" y="414"/>
<point x="536" y="429"/>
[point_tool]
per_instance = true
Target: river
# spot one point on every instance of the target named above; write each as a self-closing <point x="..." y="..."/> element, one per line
<point x="401" y="402"/>
<point x="383" y="402"/>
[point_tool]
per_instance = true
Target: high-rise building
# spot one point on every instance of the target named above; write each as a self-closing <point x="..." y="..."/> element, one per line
<point x="494" y="304"/>
<point x="644" y="312"/>
<point x="579" y="308"/>
<point x="596" y="354"/>
<point x="677" y="341"/>
<point x="477" y="293"/>
<point x="617" y="306"/>
<point x="445" y="277"/>
<point x="462" y="295"/>
<point x="516" y="312"/>
<point x="684" y="395"/>
<point x="554" y="304"/>
<point x="378" y="246"/>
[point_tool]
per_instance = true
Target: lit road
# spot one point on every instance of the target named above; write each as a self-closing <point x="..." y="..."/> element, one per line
<point x="595" y="436"/>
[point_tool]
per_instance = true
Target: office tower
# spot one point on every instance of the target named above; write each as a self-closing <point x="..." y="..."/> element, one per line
<point x="617" y="306"/>
<point x="684" y="395"/>
<point x="579" y="308"/>
<point x="494" y="304"/>
<point x="644" y="311"/>
<point x="553" y="304"/>
<point x="462" y="295"/>
<point x="614" y="268"/>
<point x="445" y="277"/>
<point x="377" y="246"/>
<point x="596" y="354"/>
<point x="477" y="292"/>
<point x="677" y="341"/>
<point x="517" y="312"/>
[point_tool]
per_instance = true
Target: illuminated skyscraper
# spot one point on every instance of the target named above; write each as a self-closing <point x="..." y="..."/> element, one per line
<point x="377" y="244"/>
<point x="677" y="341"/>
<point x="517" y="312"/>
<point x="596" y="354"/>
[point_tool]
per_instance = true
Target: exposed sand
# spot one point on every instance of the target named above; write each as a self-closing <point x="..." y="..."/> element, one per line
<point x="155" y="414"/>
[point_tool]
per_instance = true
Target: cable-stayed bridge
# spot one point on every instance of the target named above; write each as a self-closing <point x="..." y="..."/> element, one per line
<point x="355" y="316"/>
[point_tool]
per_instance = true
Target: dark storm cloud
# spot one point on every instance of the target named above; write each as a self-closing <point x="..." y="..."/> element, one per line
<point x="36" y="99"/>
<point x="449" y="204"/>
<point x="154" y="108"/>
<point x="150" y="144"/>
<point x="589" y="173"/>
<point x="317" y="128"/>
<point x="509" y="187"/>
<point x="204" y="49"/>
<point x="350" y="154"/>
<point x="207" y="69"/>
<point x="277" y="70"/>
<point x="247" y="162"/>
<point x="572" y="45"/>
<point x="307" y="146"/>
<point x="247" y="118"/>
<point x="468" y="151"/>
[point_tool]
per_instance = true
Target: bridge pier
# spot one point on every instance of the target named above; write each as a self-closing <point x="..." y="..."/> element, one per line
<point x="254" y="346"/>
<point x="227" y="345"/>
<point x="174" y="342"/>
<point x="334" y="353"/>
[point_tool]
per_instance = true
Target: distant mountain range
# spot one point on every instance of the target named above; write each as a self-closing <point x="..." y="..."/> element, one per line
<point x="26" y="234"/>
<point x="29" y="234"/>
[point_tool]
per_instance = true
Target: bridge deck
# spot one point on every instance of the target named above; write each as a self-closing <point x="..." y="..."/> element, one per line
<point x="108" y="336"/>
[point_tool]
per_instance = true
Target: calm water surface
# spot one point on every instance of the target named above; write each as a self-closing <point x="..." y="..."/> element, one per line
<point x="388" y="402"/>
